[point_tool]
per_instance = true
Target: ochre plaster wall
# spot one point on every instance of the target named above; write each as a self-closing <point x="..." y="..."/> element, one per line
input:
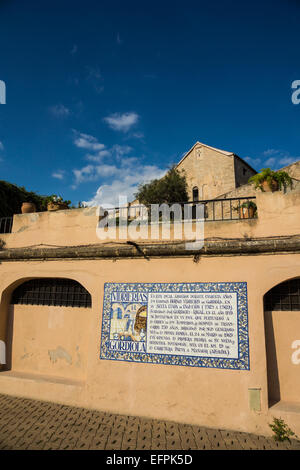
<point x="283" y="355"/>
<point x="50" y="340"/>
<point x="210" y="397"/>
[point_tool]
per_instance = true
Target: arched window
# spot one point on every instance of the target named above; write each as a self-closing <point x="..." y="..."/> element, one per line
<point x="284" y="296"/>
<point x="195" y="193"/>
<point x="52" y="291"/>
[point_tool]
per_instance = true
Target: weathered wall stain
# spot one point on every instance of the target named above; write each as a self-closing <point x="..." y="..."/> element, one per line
<point x="78" y="362"/>
<point x="59" y="353"/>
<point x="24" y="227"/>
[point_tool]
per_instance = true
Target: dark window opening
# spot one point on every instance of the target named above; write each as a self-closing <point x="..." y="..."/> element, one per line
<point x="52" y="291"/>
<point x="244" y="171"/>
<point x="284" y="297"/>
<point x="195" y="194"/>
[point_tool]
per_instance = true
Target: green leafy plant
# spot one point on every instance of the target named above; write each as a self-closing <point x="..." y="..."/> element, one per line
<point x="249" y="204"/>
<point x="281" y="430"/>
<point x="169" y="189"/>
<point x="282" y="178"/>
<point x="56" y="200"/>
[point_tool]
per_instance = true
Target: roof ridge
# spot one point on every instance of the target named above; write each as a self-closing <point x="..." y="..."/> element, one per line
<point x="224" y="152"/>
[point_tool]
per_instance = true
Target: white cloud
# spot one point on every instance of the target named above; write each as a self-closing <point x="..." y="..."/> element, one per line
<point x="120" y="150"/>
<point x="59" y="174"/>
<point x="87" y="142"/>
<point x="270" y="152"/>
<point x="125" y="182"/>
<point x="253" y="161"/>
<point x="138" y="135"/>
<point x="288" y="160"/>
<point x="271" y="161"/>
<point x="98" y="157"/>
<point x="59" y="111"/>
<point x="93" y="173"/>
<point x="97" y="150"/>
<point x="121" y="122"/>
<point x="278" y="158"/>
<point x="87" y="173"/>
<point x="121" y="176"/>
<point x="94" y="76"/>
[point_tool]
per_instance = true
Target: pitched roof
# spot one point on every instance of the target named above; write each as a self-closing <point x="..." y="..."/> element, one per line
<point x="228" y="154"/>
<point x="223" y="152"/>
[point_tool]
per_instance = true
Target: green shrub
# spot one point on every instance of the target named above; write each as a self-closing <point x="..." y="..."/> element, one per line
<point x="169" y="189"/>
<point x="266" y="174"/>
<point x="281" y="430"/>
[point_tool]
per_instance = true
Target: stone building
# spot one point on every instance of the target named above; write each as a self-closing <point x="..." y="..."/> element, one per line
<point x="210" y="171"/>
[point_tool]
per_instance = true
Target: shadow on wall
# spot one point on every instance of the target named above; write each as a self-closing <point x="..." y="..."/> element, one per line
<point x="2" y="353"/>
<point x="9" y="337"/>
<point x="272" y="362"/>
<point x="6" y="327"/>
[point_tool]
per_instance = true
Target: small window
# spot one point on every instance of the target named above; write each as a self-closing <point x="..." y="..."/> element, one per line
<point x="284" y="297"/>
<point x="195" y="194"/>
<point x="244" y="171"/>
<point x="52" y="291"/>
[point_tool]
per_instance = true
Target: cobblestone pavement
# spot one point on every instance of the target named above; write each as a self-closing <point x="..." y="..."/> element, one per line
<point x="32" y="425"/>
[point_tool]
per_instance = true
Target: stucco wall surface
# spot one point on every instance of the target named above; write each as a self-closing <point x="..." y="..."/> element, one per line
<point x="210" y="397"/>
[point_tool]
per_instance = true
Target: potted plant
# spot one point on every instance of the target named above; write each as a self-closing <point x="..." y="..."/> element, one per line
<point x="56" y="203"/>
<point x="28" y="207"/>
<point x="268" y="180"/>
<point x="248" y="210"/>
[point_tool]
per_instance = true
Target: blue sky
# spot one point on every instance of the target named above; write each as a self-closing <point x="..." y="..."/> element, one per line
<point x="102" y="95"/>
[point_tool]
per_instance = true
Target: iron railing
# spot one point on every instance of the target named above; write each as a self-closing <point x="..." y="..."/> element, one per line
<point x="214" y="210"/>
<point x="6" y="224"/>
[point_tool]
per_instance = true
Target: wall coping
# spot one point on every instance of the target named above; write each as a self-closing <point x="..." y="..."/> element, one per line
<point x="213" y="247"/>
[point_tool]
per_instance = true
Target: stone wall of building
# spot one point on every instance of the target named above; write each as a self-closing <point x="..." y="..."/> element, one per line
<point x="293" y="170"/>
<point x="209" y="170"/>
<point x="242" y="171"/>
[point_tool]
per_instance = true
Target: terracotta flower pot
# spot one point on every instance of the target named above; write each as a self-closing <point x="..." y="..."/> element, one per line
<point x="56" y="206"/>
<point x="247" y="212"/>
<point x="266" y="188"/>
<point x="28" y="207"/>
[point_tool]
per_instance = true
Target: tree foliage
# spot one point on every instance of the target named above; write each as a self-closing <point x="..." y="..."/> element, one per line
<point x="169" y="189"/>
<point x="13" y="196"/>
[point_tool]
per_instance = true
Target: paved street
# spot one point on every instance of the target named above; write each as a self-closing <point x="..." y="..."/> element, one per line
<point x="30" y="424"/>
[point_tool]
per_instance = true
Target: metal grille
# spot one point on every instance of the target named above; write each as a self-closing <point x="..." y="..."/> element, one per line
<point x="6" y="224"/>
<point x="215" y="210"/>
<point x="58" y="292"/>
<point x="285" y="296"/>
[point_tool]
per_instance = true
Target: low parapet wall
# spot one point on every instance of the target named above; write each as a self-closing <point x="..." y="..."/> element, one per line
<point x="278" y="215"/>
